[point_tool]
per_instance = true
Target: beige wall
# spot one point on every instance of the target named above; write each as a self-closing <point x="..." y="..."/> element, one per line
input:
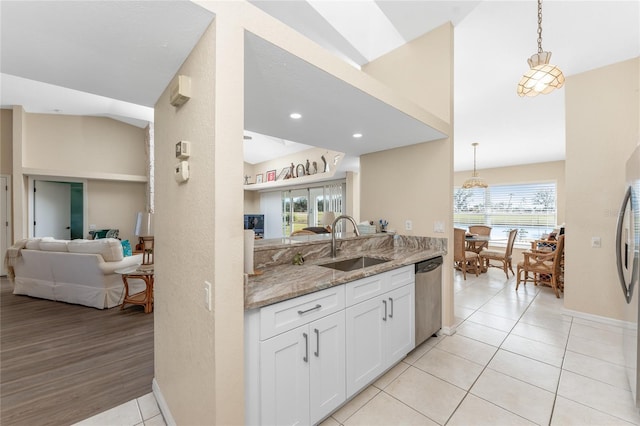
<point x="6" y="141"/>
<point x="416" y="182"/>
<point x="109" y="154"/>
<point x="527" y="173"/>
<point x="404" y="67"/>
<point x="602" y="128"/>
<point x="83" y="144"/>
<point x="115" y="204"/>
<point x="199" y="353"/>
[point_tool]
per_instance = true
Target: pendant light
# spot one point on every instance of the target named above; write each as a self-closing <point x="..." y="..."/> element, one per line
<point x="542" y="76"/>
<point x="474" y="181"/>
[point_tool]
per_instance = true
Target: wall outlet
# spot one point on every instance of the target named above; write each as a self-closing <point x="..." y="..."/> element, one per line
<point x="408" y="225"/>
<point x="438" y="227"/>
<point x="596" y="242"/>
<point x="207" y="295"/>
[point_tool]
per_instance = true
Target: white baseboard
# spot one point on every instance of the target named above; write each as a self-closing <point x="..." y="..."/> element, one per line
<point x="448" y="331"/>
<point x="162" y="404"/>
<point x="596" y="318"/>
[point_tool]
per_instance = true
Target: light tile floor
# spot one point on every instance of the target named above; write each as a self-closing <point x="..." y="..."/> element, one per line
<point x="516" y="359"/>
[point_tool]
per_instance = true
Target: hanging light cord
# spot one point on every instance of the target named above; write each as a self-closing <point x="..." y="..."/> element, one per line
<point x="539" y="26"/>
<point x="475" y="145"/>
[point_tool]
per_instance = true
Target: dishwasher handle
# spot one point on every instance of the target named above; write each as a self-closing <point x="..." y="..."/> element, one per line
<point x="428" y="265"/>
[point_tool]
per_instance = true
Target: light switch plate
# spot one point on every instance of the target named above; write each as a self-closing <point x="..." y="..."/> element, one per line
<point x="207" y="295"/>
<point x="438" y="227"/>
<point x="596" y="242"/>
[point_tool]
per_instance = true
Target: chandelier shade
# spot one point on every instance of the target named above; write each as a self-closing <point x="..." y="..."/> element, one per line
<point x="542" y="76"/>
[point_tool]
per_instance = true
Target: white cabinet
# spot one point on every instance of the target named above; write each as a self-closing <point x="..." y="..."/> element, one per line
<point x="380" y="331"/>
<point x="302" y="372"/>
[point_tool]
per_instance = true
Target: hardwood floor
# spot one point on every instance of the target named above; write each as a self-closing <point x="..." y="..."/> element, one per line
<point x="62" y="363"/>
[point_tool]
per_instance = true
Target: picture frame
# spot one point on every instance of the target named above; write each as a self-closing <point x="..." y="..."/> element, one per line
<point x="283" y="173"/>
<point x="271" y="176"/>
<point x="259" y="178"/>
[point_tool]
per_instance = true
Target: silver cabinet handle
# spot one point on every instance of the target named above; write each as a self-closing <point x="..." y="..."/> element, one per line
<point x="384" y="318"/>
<point x="391" y="313"/>
<point x="318" y="306"/>
<point x="317" y="352"/>
<point x="306" y="347"/>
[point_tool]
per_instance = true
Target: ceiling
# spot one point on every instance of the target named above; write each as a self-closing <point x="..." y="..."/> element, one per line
<point x="115" y="58"/>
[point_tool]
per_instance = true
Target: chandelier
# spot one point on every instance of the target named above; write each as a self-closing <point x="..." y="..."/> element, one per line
<point x="542" y="76"/>
<point x="474" y="181"/>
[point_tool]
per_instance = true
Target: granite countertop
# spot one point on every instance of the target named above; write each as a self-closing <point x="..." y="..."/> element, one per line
<point x="285" y="281"/>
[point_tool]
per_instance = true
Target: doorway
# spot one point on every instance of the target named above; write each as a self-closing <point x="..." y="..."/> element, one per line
<point x="58" y="208"/>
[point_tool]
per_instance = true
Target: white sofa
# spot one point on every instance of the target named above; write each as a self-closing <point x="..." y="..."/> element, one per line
<point x="77" y="271"/>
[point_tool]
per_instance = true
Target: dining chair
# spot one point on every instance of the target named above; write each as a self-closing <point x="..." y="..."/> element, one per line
<point x="462" y="257"/>
<point x="546" y="267"/>
<point x="504" y="256"/>
<point x="482" y="230"/>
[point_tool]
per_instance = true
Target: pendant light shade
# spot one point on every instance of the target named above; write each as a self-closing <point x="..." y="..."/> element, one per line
<point x="542" y="76"/>
<point x="474" y="181"/>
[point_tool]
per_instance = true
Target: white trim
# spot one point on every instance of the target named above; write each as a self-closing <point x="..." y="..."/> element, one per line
<point x="162" y="404"/>
<point x="597" y="318"/>
<point x="42" y="173"/>
<point x="448" y="331"/>
<point x="7" y="228"/>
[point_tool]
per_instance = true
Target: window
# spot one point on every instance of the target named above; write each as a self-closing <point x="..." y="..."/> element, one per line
<point x="531" y="208"/>
<point x="305" y="207"/>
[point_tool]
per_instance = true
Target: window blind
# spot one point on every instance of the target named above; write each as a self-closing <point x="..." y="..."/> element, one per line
<point x="530" y="208"/>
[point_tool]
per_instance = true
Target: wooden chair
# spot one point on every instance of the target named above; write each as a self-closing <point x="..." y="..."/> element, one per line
<point x="546" y="267"/>
<point x="504" y="256"/>
<point x="463" y="258"/>
<point x="482" y="230"/>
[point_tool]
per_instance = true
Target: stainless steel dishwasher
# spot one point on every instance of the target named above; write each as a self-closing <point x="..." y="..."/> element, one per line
<point x="428" y="298"/>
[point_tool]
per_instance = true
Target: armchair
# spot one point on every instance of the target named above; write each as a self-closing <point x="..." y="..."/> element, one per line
<point x="463" y="258"/>
<point x="486" y="256"/>
<point x="546" y="267"/>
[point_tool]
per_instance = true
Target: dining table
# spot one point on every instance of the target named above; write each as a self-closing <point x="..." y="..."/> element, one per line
<point x="475" y="243"/>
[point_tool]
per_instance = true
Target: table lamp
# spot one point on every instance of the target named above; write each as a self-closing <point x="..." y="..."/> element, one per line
<point x="144" y="232"/>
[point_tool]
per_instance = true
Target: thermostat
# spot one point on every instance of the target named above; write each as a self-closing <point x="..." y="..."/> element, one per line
<point x="183" y="150"/>
<point x="181" y="173"/>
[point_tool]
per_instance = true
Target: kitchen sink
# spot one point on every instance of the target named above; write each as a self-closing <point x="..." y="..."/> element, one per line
<point x="354" y="263"/>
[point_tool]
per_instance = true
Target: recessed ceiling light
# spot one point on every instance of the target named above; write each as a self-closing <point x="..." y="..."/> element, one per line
<point x="357" y="135"/>
<point x="295" y="115"/>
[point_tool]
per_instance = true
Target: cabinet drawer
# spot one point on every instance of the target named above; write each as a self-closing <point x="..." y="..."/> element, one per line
<point x="401" y="276"/>
<point x="365" y="288"/>
<point x="287" y="315"/>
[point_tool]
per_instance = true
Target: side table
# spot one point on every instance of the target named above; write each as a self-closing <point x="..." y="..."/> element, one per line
<point x="144" y="298"/>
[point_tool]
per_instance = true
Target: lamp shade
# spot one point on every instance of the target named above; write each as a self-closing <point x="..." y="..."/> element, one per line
<point x="144" y="224"/>
<point x="328" y="218"/>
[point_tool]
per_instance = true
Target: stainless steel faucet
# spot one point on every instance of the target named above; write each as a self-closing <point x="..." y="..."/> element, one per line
<point x="333" y="231"/>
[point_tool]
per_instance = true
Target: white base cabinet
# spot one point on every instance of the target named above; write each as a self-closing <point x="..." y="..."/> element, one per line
<point x="380" y="332"/>
<point x="302" y="373"/>
<point x="306" y="356"/>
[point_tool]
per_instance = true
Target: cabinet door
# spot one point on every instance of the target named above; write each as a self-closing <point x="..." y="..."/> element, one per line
<point x="400" y="333"/>
<point x="327" y="365"/>
<point x="284" y="378"/>
<point x="364" y="343"/>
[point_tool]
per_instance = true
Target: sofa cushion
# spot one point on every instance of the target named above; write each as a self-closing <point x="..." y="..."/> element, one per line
<point x="109" y="248"/>
<point x="33" y="244"/>
<point x="51" y="244"/>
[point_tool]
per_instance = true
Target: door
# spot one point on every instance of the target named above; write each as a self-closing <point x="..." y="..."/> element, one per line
<point x="52" y="210"/>
<point x="327" y="363"/>
<point x="5" y="228"/>
<point x="284" y="378"/>
<point x="400" y="323"/>
<point x="364" y="343"/>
